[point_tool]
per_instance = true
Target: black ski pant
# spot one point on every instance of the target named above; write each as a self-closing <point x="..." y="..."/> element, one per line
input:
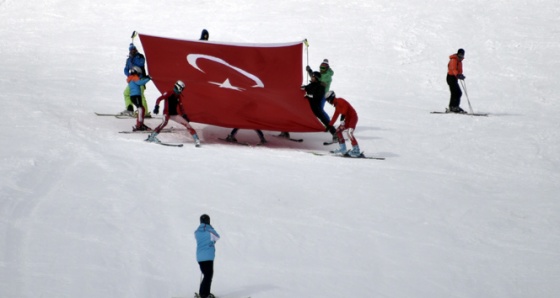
<point x="455" y="90"/>
<point x="207" y="269"/>
<point x="320" y="113"/>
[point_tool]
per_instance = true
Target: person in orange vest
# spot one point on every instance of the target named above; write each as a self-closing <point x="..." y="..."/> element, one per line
<point x="454" y="74"/>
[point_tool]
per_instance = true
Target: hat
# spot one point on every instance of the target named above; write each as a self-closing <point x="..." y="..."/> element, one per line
<point x="205" y="219"/>
<point x="131" y="47"/>
<point x="317" y="75"/>
<point x="460" y="52"/>
<point x="326" y="61"/>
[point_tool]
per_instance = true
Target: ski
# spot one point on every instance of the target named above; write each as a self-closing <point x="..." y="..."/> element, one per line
<point x="346" y="155"/>
<point x="121" y="116"/>
<point x="104" y="114"/>
<point x="196" y="295"/>
<point x="134" y="117"/>
<point x="467" y="114"/>
<point x="236" y="142"/>
<point x="289" y="139"/>
<point x="169" y="144"/>
<point x="149" y="131"/>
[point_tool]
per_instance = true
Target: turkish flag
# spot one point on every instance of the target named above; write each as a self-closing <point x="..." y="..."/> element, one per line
<point x="254" y="86"/>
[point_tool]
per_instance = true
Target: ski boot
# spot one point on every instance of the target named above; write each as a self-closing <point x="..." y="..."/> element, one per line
<point x="355" y="152"/>
<point x="231" y="138"/>
<point x="142" y="127"/>
<point x="341" y="150"/>
<point x="284" y="134"/>
<point x="153" y="138"/>
<point x="196" y="140"/>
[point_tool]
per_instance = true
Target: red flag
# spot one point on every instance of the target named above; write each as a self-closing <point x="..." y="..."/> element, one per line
<point x="233" y="85"/>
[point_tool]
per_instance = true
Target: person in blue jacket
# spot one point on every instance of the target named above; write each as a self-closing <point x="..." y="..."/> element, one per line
<point x="134" y="59"/>
<point x="206" y="238"/>
<point x="135" y="84"/>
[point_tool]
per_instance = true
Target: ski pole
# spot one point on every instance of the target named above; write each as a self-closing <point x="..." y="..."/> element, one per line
<point x="134" y="34"/>
<point x="467" y="95"/>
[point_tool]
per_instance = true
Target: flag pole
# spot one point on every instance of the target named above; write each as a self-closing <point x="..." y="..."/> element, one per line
<point x="307" y="57"/>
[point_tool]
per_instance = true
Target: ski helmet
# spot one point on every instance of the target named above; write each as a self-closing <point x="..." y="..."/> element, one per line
<point x="136" y="70"/>
<point x="179" y="86"/>
<point x="317" y="75"/>
<point x="205" y="219"/>
<point x="204" y="35"/>
<point x="330" y="96"/>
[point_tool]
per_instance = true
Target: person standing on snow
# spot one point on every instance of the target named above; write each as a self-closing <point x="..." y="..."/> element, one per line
<point x="326" y="79"/>
<point x="136" y="84"/>
<point x="348" y="122"/>
<point x="206" y="238"/>
<point x="315" y="93"/>
<point x="171" y="110"/>
<point x="455" y="73"/>
<point x="134" y="59"/>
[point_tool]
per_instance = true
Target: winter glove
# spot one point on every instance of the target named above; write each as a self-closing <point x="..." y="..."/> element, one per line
<point x="460" y="77"/>
<point x="156" y="110"/>
<point x="186" y="118"/>
<point x="308" y="69"/>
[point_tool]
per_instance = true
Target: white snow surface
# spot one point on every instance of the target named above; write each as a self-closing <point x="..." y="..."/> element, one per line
<point x="461" y="207"/>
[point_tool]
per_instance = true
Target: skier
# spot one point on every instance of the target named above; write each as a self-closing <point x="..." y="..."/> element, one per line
<point x="135" y="84"/>
<point x="204" y="35"/>
<point x="455" y="73"/>
<point x="134" y="59"/>
<point x="326" y="79"/>
<point x="206" y="238"/>
<point x="231" y="136"/>
<point x="171" y="110"/>
<point x="348" y="122"/>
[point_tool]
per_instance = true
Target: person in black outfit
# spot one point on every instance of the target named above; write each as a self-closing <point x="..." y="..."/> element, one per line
<point x="454" y="74"/>
<point x="315" y="92"/>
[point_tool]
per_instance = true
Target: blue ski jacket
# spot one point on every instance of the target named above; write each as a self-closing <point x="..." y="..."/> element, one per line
<point x="206" y="237"/>
<point x="135" y="85"/>
<point x="136" y="60"/>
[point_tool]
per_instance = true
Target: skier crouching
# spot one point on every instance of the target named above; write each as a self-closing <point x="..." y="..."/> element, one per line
<point x="348" y="123"/>
<point x="171" y="111"/>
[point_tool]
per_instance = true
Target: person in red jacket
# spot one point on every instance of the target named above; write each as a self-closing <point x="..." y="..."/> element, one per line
<point x="348" y="122"/>
<point x="171" y="110"/>
<point x="455" y="73"/>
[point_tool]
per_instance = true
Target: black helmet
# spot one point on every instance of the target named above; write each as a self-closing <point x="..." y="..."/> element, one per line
<point x="205" y="219"/>
<point x="317" y="75"/>
<point x="330" y="96"/>
<point x="204" y="35"/>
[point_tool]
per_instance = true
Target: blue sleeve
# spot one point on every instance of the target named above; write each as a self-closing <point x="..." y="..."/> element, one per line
<point x="126" y="67"/>
<point x="141" y="82"/>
